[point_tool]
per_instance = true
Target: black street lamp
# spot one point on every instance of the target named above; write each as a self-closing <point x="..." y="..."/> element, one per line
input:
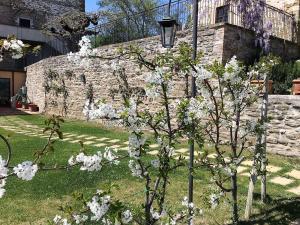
<point x="168" y="28"/>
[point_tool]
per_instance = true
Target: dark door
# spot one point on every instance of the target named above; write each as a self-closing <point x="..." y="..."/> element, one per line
<point x="4" y="91"/>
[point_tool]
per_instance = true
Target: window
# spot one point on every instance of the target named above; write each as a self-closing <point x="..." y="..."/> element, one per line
<point x="222" y="14"/>
<point x="24" y="22"/>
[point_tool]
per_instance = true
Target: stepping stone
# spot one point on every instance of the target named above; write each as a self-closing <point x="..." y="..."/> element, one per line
<point x="100" y="145"/>
<point x="245" y="174"/>
<point x="115" y="146"/>
<point x="281" y="181"/>
<point x="82" y="136"/>
<point x="69" y="135"/>
<point x="103" y="139"/>
<point x="227" y="159"/>
<point x="124" y="149"/>
<point x="182" y="150"/>
<point x="295" y="174"/>
<point x="67" y="139"/>
<point x="295" y="191"/>
<point x="212" y="156"/>
<point x="88" y="142"/>
<point x="76" y="141"/>
<point x="241" y="169"/>
<point x="154" y="146"/>
<point x="114" y="141"/>
<point x="90" y="138"/>
<point x="155" y="152"/>
<point x="247" y="163"/>
<point x="273" y="169"/>
<point x="126" y="143"/>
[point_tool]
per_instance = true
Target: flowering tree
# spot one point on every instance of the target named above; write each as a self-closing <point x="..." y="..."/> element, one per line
<point x="225" y="92"/>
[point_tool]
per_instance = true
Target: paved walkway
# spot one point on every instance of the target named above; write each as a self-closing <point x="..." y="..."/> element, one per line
<point x="276" y="176"/>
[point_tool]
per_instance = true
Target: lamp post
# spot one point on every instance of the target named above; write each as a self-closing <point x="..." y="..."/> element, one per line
<point x="193" y="95"/>
<point x="168" y="31"/>
<point x="168" y="27"/>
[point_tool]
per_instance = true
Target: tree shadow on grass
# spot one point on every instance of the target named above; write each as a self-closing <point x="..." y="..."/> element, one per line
<point x="283" y="211"/>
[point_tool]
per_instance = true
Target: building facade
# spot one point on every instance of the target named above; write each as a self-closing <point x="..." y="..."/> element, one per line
<point x="25" y="19"/>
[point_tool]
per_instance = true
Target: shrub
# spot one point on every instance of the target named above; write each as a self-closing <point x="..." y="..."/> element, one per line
<point x="283" y="75"/>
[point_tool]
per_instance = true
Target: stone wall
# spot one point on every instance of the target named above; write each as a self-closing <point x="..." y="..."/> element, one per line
<point x="284" y="127"/>
<point x="218" y="43"/>
<point x="38" y="11"/>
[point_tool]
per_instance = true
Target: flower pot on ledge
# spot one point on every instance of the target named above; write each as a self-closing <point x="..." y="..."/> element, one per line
<point x="260" y="83"/>
<point x="296" y="87"/>
<point x="33" y="107"/>
<point x="18" y="105"/>
<point x="25" y="106"/>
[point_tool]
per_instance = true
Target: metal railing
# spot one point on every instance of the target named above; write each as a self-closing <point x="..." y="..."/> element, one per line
<point x="211" y="12"/>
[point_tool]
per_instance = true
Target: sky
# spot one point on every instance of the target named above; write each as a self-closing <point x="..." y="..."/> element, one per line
<point x="90" y="5"/>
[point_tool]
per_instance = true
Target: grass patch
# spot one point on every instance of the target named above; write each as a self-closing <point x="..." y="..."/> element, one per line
<point x="37" y="201"/>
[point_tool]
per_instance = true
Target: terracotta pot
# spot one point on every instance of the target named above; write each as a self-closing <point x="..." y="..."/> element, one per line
<point x="25" y="106"/>
<point x="18" y="105"/>
<point x="33" y="108"/>
<point x="296" y="87"/>
<point x="260" y="83"/>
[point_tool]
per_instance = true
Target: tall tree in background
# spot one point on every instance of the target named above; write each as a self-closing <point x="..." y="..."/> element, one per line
<point x="122" y="20"/>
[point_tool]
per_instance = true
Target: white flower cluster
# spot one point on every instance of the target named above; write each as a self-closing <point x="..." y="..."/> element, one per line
<point x="89" y="163"/>
<point x="214" y="200"/>
<point x="99" y="206"/>
<point x="133" y="122"/>
<point x="14" y="47"/>
<point x="110" y="156"/>
<point x="86" y="51"/>
<point x="26" y="170"/>
<point x="126" y="217"/>
<point x="187" y="204"/>
<point x="154" y="81"/>
<point x="136" y="169"/>
<point x="201" y="73"/>
<point x="135" y="143"/>
<point x="232" y="71"/>
<point x="58" y="220"/>
<point x="79" y="219"/>
<point x="3" y="173"/>
<point x="102" y="110"/>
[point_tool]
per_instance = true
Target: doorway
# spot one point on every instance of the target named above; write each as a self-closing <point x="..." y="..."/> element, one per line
<point x="5" y="92"/>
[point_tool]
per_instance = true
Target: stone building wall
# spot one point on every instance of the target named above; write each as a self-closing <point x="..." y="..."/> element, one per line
<point x="218" y="43"/>
<point x="38" y="11"/>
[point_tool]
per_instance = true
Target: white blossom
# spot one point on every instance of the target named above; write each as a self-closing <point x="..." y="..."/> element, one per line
<point x="100" y="111"/>
<point x="58" y="220"/>
<point x="25" y="170"/>
<point x="126" y="217"/>
<point x="80" y="218"/>
<point x="110" y="156"/>
<point x="90" y="163"/>
<point x="135" y="143"/>
<point x="214" y="200"/>
<point x="135" y="168"/>
<point x="99" y="207"/>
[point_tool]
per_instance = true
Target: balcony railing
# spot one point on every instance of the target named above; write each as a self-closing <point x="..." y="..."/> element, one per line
<point x="211" y="12"/>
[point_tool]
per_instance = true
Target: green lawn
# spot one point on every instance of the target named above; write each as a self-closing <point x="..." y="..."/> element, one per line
<point x="37" y="201"/>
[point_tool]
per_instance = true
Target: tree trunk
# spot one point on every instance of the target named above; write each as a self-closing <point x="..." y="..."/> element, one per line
<point x="235" y="212"/>
<point x="264" y="140"/>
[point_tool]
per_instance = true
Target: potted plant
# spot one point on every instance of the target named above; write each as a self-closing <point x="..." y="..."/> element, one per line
<point x="33" y="107"/>
<point x="296" y="87"/>
<point x="260" y="83"/>
<point x="18" y="104"/>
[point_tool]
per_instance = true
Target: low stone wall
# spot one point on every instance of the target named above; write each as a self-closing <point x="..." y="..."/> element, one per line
<point x="284" y="127"/>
